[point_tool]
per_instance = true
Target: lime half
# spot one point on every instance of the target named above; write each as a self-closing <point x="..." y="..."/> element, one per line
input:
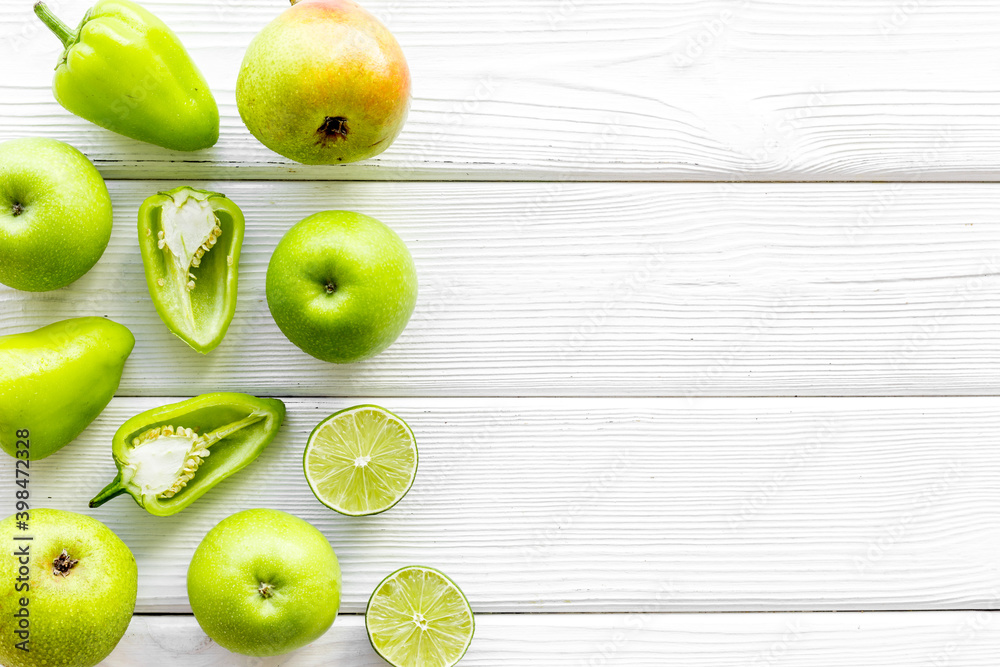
<point x="361" y="460"/>
<point x="417" y="617"/>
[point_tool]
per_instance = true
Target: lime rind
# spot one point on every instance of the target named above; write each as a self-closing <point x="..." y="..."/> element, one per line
<point x="419" y="617"/>
<point x="361" y="461"/>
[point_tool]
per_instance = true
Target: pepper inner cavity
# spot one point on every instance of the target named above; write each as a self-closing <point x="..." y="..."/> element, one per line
<point x="164" y="459"/>
<point x="189" y="230"/>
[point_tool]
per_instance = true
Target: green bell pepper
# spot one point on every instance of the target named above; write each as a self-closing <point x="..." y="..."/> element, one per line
<point x="170" y="456"/>
<point x="190" y="242"/>
<point x="125" y="70"/>
<point x="55" y="381"/>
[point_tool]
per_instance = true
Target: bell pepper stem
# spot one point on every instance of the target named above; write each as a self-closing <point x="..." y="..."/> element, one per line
<point x="61" y="30"/>
<point x="113" y="489"/>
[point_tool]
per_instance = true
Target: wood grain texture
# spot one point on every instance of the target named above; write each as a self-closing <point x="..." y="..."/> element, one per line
<point x="604" y="289"/>
<point x="956" y="639"/>
<point x="563" y="505"/>
<point x="584" y="89"/>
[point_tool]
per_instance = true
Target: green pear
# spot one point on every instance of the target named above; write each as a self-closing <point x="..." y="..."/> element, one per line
<point x="67" y="589"/>
<point x="56" y="380"/>
<point x="324" y="83"/>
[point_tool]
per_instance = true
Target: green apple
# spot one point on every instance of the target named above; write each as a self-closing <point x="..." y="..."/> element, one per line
<point x="264" y="583"/>
<point x="341" y="286"/>
<point x="70" y="598"/>
<point x="55" y="214"/>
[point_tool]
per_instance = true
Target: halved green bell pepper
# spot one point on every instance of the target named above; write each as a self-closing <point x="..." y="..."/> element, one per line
<point x="190" y="242"/>
<point x="170" y="456"/>
<point x="125" y="70"/>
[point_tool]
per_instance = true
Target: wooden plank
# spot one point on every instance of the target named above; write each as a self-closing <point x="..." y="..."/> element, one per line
<point x="615" y="504"/>
<point x="584" y="89"/>
<point x="956" y="639"/>
<point x="605" y="289"/>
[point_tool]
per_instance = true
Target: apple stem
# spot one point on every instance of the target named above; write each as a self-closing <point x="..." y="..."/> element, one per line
<point x="65" y="34"/>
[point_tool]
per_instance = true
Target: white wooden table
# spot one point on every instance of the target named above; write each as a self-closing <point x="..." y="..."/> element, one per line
<point x="709" y="322"/>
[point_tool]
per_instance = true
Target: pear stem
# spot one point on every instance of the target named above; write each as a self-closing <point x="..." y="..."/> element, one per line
<point x="65" y="34"/>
